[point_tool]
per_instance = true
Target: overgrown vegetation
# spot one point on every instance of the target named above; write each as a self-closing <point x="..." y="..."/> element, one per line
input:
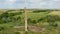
<point x="12" y="18"/>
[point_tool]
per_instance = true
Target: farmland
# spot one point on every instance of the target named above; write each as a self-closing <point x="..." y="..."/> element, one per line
<point x="39" y="21"/>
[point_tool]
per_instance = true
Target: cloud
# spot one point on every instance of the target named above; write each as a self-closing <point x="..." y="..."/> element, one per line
<point x="44" y="3"/>
<point x="10" y="1"/>
<point x="30" y="3"/>
<point x="56" y="0"/>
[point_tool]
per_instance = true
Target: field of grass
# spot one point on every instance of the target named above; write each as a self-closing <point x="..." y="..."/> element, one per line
<point x="47" y="21"/>
<point x="55" y="13"/>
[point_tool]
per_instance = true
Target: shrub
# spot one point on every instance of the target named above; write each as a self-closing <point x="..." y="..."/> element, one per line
<point x="53" y="18"/>
<point x="5" y="14"/>
<point x="34" y="21"/>
<point x="29" y="20"/>
<point x="18" y="18"/>
<point x="37" y="11"/>
<point x="40" y="19"/>
<point x="55" y="25"/>
<point x="1" y="28"/>
<point x="17" y="33"/>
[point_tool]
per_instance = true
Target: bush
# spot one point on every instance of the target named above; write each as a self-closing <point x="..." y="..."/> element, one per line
<point x="55" y="25"/>
<point x="1" y="28"/>
<point x="34" y="21"/>
<point x="53" y="18"/>
<point x="37" y="11"/>
<point x="17" y="33"/>
<point x="5" y="14"/>
<point x="18" y="18"/>
<point x="29" y="20"/>
<point x="40" y="19"/>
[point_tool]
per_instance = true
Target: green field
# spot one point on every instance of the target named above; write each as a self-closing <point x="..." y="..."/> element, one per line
<point x="40" y="22"/>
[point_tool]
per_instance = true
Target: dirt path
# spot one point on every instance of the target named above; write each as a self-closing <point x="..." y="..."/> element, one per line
<point x="32" y="28"/>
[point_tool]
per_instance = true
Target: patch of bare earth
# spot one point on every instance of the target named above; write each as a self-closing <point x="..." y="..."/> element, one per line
<point x="32" y="28"/>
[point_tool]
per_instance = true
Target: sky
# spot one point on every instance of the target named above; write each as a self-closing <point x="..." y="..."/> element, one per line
<point x="40" y="4"/>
